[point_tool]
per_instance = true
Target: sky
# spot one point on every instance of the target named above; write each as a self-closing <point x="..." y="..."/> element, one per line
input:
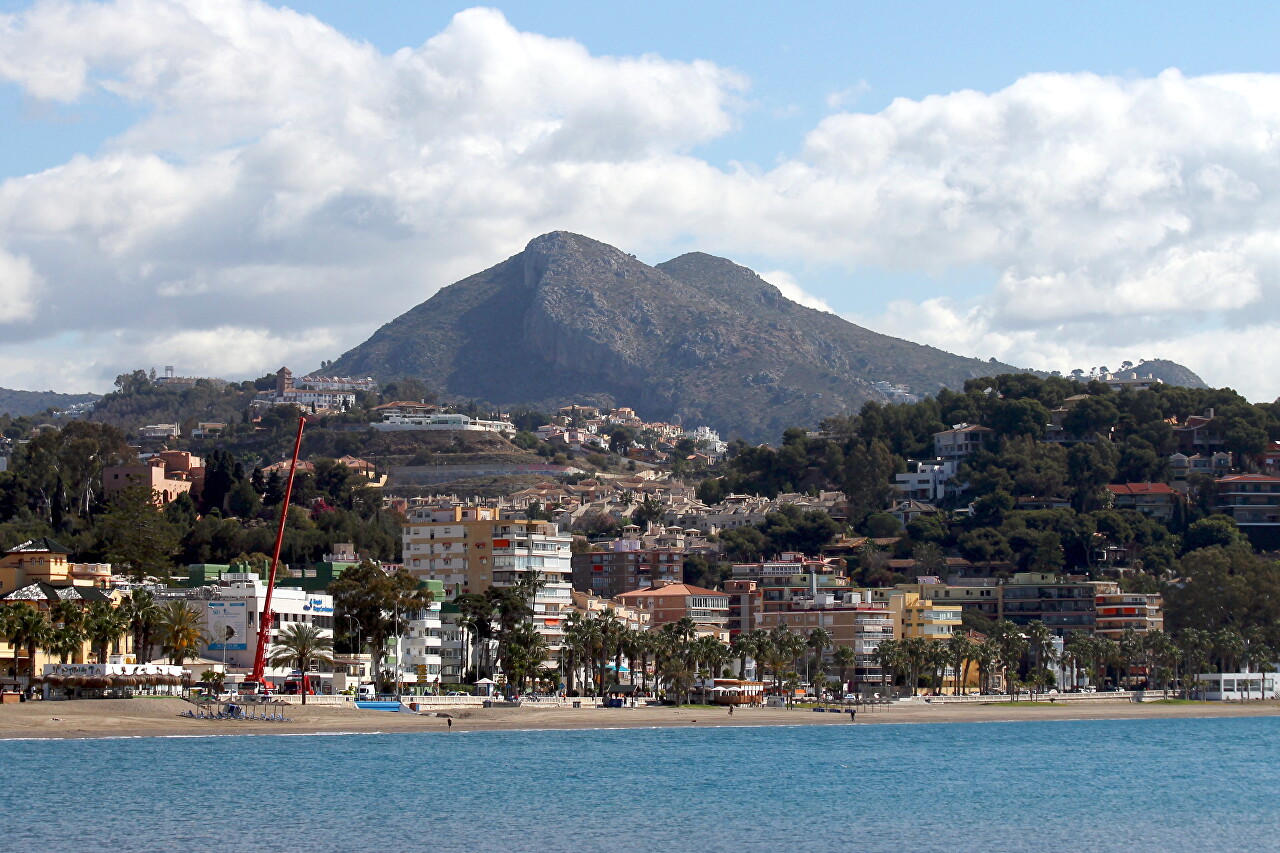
<point x="227" y="186"/>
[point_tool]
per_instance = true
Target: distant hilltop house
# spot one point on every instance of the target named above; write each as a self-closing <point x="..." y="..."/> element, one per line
<point x="1129" y="380"/>
<point x="405" y="408"/>
<point x="337" y="383"/>
<point x="168" y="474"/>
<point x="441" y="421"/>
<point x="308" y="399"/>
<point x="159" y="431"/>
<point x="169" y="380"/>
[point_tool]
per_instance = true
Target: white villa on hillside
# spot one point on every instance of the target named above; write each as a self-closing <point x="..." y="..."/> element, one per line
<point x="441" y="421"/>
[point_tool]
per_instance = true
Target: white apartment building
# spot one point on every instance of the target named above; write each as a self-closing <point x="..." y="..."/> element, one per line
<point x="928" y="481"/>
<point x="419" y="657"/>
<point x="469" y="549"/>
<point x="441" y="421"/>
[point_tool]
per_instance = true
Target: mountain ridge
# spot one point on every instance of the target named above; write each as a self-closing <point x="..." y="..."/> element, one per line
<point x="697" y="339"/>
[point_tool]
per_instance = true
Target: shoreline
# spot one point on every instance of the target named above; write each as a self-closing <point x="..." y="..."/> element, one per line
<point x="158" y="717"/>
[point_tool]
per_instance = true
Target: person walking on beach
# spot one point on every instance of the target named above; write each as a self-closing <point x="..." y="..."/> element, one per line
<point x="449" y="722"/>
<point x="730" y="710"/>
<point x="853" y="715"/>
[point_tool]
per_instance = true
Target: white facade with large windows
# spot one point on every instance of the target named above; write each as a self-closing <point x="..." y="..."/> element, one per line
<point x="518" y="551"/>
<point x="469" y="549"/>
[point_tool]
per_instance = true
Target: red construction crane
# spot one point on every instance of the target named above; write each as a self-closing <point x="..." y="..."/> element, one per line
<point x="264" y="623"/>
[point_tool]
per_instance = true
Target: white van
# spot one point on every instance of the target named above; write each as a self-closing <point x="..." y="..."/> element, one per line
<point x="366" y="691"/>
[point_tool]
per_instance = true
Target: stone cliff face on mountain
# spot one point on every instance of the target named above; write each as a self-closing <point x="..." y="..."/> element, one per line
<point x="697" y="338"/>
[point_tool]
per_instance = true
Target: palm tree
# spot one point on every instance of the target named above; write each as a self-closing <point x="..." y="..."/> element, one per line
<point x="476" y="618"/>
<point x="611" y="631"/>
<point x="31" y="630"/>
<point x="180" y="631"/>
<point x="959" y="650"/>
<point x="8" y="620"/>
<point x="843" y="657"/>
<point x="818" y="640"/>
<point x="675" y="670"/>
<point x="1075" y="651"/>
<point x="523" y="654"/>
<point x="986" y="655"/>
<point x="572" y="650"/>
<point x="1039" y="638"/>
<point x="889" y="656"/>
<point x="646" y="645"/>
<point x="65" y="641"/>
<point x="140" y="608"/>
<point x="593" y="644"/>
<point x="1011" y="646"/>
<point x="1163" y="655"/>
<point x="1229" y="646"/>
<point x="105" y="625"/>
<point x="915" y="657"/>
<point x="1195" y="645"/>
<point x="298" y="647"/>
<point x="740" y="648"/>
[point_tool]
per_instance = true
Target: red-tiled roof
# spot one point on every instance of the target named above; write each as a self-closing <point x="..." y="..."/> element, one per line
<point x="1141" y="489"/>
<point x="680" y="589"/>
<point x="1249" y="478"/>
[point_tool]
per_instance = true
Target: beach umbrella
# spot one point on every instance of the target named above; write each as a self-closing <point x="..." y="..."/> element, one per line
<point x="54" y="680"/>
<point x="116" y="681"/>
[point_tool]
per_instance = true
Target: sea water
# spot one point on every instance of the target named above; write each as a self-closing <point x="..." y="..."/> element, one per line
<point x="1151" y="785"/>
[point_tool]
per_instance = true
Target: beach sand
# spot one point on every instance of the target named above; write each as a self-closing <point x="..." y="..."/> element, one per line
<point x="158" y="717"/>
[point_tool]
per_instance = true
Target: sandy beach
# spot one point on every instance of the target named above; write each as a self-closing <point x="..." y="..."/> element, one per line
<point x="159" y="717"/>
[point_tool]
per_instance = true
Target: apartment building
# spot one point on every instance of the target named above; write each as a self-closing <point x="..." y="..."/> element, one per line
<point x="1115" y="612"/>
<point x="851" y="618"/>
<point x="1253" y="500"/>
<point x="625" y="566"/>
<point x="1156" y="500"/>
<point x="959" y="441"/>
<point x="419" y="659"/>
<point x="672" y="602"/>
<point x="471" y="548"/>
<point x="915" y="615"/>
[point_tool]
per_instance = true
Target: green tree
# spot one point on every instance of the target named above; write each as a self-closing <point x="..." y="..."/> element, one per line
<point x="376" y="598"/>
<point x="135" y="535"/>
<point x="1215" y="530"/>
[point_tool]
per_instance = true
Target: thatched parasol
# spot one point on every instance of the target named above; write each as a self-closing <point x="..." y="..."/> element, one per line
<point x="116" y="680"/>
<point x="95" y="682"/>
<point x="54" y="680"/>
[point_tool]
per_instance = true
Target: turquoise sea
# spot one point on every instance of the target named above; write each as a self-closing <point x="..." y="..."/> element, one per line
<point x="1152" y="785"/>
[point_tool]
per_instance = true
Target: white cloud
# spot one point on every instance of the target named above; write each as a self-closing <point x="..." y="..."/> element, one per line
<point x="847" y="97"/>
<point x="791" y="289"/>
<point x="284" y="177"/>
<point x="18" y="286"/>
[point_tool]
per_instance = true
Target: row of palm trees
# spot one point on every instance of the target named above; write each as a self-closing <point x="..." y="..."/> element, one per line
<point x="1165" y="660"/>
<point x="595" y="647"/>
<point x="176" y="627"/>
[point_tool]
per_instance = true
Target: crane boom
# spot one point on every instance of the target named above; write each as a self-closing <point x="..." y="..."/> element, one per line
<point x="264" y="624"/>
